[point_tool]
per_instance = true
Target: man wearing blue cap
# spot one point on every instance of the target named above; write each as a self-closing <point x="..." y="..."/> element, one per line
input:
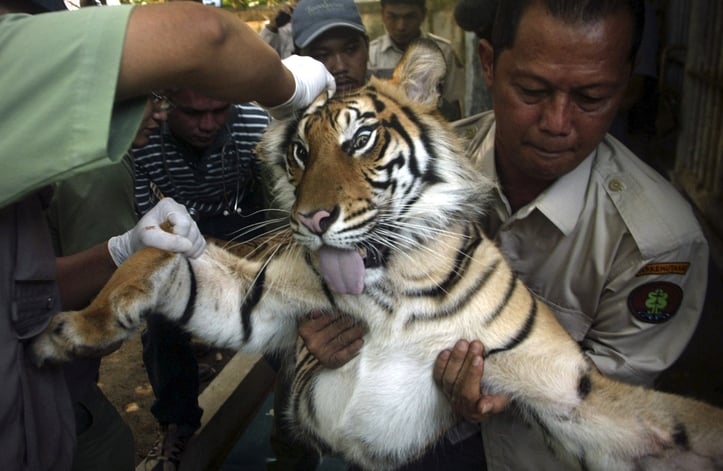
<point x="332" y="32"/>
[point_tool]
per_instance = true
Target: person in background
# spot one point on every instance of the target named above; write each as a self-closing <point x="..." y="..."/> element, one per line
<point x="403" y="23"/>
<point x="590" y="228"/>
<point x="125" y="52"/>
<point x="635" y="122"/>
<point x="336" y="37"/>
<point x="277" y="32"/>
<point x="202" y="157"/>
<point x="85" y="210"/>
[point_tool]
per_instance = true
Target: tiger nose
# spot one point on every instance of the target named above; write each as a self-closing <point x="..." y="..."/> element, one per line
<point x="318" y="221"/>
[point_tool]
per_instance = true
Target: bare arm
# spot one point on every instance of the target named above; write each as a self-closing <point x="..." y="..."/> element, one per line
<point x="217" y="54"/>
<point x="82" y="275"/>
<point x="167" y="226"/>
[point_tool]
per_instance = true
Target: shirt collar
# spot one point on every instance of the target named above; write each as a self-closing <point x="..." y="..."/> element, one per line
<point x="487" y="164"/>
<point x="387" y="43"/>
<point x="561" y="203"/>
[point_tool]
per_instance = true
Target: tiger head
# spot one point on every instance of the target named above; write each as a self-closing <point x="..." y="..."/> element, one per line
<point x="368" y="174"/>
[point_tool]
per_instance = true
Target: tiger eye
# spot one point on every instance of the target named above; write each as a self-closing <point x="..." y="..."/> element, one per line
<point x="300" y="152"/>
<point x="360" y="141"/>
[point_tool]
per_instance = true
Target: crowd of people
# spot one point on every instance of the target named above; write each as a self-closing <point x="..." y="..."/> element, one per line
<point x="144" y="115"/>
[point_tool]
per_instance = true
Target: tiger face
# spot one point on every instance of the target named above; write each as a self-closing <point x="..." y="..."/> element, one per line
<point x="365" y="175"/>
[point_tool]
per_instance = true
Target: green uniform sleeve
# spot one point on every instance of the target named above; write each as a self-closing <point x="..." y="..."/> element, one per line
<point x="58" y="115"/>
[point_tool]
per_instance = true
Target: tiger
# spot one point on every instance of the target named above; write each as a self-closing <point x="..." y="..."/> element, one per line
<point x="384" y="225"/>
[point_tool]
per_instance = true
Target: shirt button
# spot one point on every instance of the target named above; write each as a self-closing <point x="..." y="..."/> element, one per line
<point x="616" y="185"/>
<point x="49" y="301"/>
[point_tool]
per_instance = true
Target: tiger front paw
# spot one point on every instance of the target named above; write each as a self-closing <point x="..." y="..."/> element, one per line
<point x="53" y="345"/>
<point x="60" y="342"/>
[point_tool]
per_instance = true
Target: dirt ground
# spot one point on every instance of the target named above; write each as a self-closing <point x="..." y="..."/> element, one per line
<point x="123" y="379"/>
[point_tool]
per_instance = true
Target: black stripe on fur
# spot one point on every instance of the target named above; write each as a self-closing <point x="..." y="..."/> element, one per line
<point x="680" y="436"/>
<point x="457" y="272"/>
<point x="460" y="301"/>
<point x="252" y="299"/>
<point x="584" y="386"/>
<point x="302" y="388"/>
<point x="505" y="299"/>
<point x="521" y="335"/>
<point x="191" y="303"/>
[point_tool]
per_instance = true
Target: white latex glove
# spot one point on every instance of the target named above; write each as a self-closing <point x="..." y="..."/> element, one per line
<point x="311" y="78"/>
<point x="186" y="237"/>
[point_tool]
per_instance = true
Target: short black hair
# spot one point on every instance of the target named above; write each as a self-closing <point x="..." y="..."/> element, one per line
<point x="509" y="14"/>
<point x="418" y="3"/>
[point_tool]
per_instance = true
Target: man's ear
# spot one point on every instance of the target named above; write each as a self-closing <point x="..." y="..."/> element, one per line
<point x="487" y="59"/>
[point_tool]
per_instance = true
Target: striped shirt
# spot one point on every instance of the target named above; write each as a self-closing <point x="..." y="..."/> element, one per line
<point x="225" y="178"/>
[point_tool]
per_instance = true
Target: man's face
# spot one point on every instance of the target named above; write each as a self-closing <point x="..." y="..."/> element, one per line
<point x="197" y="119"/>
<point x="403" y="22"/>
<point x="344" y="53"/>
<point x="556" y="91"/>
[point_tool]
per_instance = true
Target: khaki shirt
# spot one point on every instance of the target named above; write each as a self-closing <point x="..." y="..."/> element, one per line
<point x="384" y="56"/>
<point x="58" y="117"/>
<point x="596" y="246"/>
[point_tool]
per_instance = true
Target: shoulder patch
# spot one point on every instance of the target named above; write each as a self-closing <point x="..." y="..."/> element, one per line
<point x="674" y="268"/>
<point x="655" y="302"/>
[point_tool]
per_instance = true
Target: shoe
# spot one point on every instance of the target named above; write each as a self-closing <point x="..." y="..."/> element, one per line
<point x="166" y="453"/>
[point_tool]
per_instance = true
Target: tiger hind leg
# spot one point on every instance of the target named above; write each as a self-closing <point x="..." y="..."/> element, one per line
<point x="136" y="289"/>
<point x="631" y="428"/>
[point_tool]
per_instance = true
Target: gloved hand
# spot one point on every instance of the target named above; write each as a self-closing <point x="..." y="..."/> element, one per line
<point x="311" y="79"/>
<point x="186" y="237"/>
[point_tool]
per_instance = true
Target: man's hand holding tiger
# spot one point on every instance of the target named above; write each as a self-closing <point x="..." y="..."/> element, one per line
<point x="332" y="338"/>
<point x="459" y="373"/>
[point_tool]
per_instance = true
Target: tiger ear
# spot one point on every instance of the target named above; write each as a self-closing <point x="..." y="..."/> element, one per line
<point x="421" y="71"/>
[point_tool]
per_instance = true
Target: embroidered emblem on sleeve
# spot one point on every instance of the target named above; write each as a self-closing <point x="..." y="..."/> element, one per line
<point x="655" y="302"/>
<point x="674" y="268"/>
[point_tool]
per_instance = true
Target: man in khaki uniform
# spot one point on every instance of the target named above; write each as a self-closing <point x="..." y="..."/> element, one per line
<point x="605" y="240"/>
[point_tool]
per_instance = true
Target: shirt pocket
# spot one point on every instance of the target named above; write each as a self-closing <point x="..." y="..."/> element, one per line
<point x="35" y="303"/>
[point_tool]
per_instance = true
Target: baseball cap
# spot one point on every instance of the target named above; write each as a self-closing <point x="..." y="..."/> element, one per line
<point x="49" y="5"/>
<point x="311" y="18"/>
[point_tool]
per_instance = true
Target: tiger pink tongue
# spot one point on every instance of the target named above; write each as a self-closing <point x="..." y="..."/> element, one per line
<point x="343" y="270"/>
